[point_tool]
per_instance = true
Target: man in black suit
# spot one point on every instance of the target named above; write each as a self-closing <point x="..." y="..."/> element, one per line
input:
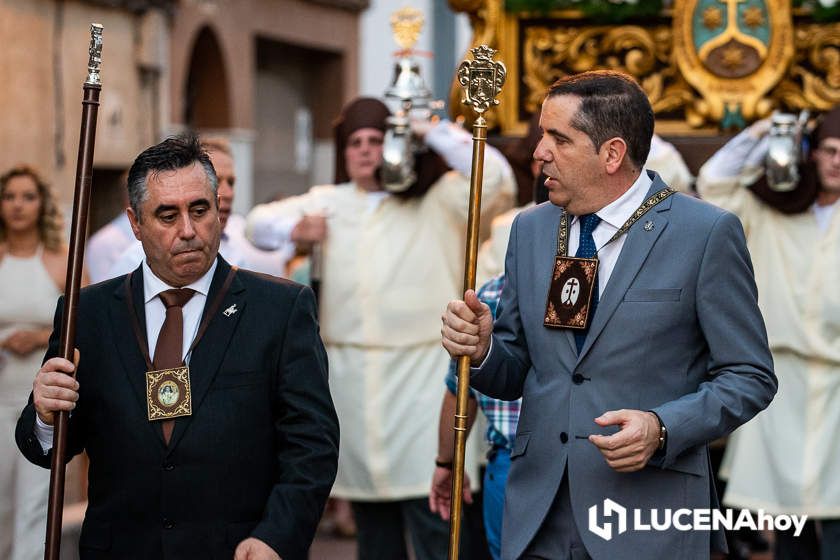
<point x="238" y="460"/>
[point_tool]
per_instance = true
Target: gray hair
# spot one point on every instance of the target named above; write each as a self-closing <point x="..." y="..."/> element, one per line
<point x="174" y="153"/>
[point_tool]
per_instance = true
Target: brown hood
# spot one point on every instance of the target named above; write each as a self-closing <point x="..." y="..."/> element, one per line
<point x="362" y="112"/>
<point x="368" y="112"/>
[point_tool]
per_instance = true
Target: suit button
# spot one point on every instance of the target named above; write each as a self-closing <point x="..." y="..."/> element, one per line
<point x="564" y="437"/>
<point x="577" y="379"/>
<point x="167" y="524"/>
<point x="168" y="466"/>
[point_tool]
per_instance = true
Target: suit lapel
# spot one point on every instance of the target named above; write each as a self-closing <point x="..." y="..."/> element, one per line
<point x="208" y="355"/>
<point x="636" y="248"/>
<point x="130" y="354"/>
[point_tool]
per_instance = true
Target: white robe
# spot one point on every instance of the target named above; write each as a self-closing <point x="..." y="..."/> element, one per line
<point x="389" y="268"/>
<point x="787" y="459"/>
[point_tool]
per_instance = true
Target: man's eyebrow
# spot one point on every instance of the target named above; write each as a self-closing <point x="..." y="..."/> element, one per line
<point x="557" y="134"/>
<point x="199" y="202"/>
<point x="167" y="207"/>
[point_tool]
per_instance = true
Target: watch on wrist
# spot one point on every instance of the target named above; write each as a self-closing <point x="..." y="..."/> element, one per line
<point x="663" y="432"/>
<point x="443" y="464"/>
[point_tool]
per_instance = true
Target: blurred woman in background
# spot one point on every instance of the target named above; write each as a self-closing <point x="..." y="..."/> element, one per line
<point x="33" y="263"/>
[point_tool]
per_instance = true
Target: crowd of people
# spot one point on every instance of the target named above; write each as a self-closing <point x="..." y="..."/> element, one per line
<point x="624" y="322"/>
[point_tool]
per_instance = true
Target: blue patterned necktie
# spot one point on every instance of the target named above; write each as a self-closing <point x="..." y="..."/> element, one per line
<point x="587" y="250"/>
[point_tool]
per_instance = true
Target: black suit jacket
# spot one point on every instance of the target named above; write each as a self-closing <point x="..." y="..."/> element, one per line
<point x="256" y="458"/>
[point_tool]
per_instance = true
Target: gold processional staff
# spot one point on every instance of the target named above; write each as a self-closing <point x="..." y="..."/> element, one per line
<point x="482" y="79"/>
<point x="81" y="204"/>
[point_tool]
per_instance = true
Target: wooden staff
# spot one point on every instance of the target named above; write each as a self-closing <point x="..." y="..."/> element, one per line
<point x="81" y="203"/>
<point x="482" y="79"/>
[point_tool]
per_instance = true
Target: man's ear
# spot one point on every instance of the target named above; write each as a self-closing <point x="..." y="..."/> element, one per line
<point x="134" y="220"/>
<point x="613" y="154"/>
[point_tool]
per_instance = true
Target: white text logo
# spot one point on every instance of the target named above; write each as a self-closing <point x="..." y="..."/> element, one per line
<point x="619" y="517"/>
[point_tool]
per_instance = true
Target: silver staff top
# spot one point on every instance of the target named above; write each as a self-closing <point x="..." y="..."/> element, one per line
<point x="95" y="52"/>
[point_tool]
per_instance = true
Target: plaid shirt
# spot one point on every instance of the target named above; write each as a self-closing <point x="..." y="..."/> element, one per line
<point x="502" y="416"/>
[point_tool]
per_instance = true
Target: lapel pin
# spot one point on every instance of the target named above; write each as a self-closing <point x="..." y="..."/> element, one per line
<point x="648" y="226"/>
<point x="230" y="310"/>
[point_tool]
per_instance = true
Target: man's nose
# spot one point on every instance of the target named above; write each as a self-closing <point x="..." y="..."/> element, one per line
<point x="187" y="229"/>
<point x="540" y="153"/>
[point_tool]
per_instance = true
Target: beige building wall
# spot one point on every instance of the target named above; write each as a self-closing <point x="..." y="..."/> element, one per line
<point x="239" y="23"/>
<point x="147" y="60"/>
<point x="44" y="64"/>
<point x="281" y="60"/>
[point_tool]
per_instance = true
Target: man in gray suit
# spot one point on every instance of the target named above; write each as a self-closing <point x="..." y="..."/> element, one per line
<point x="629" y="326"/>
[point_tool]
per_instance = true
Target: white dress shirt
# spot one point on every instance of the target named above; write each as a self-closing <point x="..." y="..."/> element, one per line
<point x="155" y="315"/>
<point x="156" y="311"/>
<point x="613" y="216"/>
<point x="824" y="214"/>
<point x="106" y="245"/>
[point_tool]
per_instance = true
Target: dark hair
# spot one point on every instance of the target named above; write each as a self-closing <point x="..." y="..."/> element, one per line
<point x="176" y="152"/>
<point x="612" y="105"/>
<point x="50" y="219"/>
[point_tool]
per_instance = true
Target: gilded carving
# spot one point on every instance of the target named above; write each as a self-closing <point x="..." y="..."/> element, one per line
<point x="549" y="53"/>
<point x="733" y="52"/>
<point x="703" y="64"/>
<point x="813" y="81"/>
<point x="485" y="19"/>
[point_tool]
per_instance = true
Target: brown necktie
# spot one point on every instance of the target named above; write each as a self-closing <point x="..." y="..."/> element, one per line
<point x="170" y="341"/>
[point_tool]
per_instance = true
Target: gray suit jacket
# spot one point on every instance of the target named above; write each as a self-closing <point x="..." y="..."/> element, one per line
<point x="677" y="331"/>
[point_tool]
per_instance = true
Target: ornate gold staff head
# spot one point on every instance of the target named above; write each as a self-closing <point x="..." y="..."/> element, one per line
<point x="482" y="79"/>
<point x="95" y="54"/>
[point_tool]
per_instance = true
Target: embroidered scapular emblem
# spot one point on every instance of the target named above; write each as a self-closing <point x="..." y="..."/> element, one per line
<point x="570" y="292"/>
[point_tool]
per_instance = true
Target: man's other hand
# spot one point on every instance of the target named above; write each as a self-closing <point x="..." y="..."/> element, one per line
<point x="629" y="449"/>
<point x="440" y="496"/>
<point x="254" y="549"/>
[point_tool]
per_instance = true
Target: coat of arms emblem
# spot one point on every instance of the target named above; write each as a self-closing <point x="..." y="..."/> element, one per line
<point x="733" y="52"/>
